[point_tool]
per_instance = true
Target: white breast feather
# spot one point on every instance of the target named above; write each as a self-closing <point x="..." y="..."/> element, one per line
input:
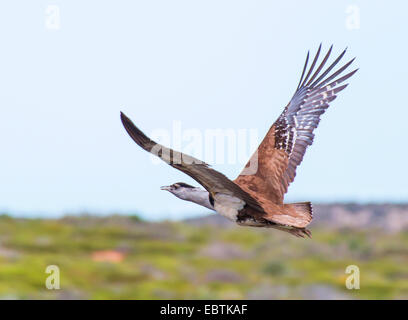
<point x="228" y="206"/>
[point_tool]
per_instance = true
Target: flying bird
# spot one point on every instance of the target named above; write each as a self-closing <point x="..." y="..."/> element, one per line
<point x="255" y="197"/>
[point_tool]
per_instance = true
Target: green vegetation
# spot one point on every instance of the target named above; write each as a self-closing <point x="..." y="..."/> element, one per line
<point x="120" y="257"/>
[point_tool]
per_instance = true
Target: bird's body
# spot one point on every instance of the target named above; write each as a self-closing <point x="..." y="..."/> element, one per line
<point x="255" y="197"/>
<point x="242" y="216"/>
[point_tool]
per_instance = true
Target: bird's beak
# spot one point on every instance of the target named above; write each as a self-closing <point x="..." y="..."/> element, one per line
<point x="167" y="188"/>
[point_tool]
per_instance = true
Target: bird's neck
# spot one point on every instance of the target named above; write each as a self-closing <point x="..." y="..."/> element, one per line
<point x="198" y="196"/>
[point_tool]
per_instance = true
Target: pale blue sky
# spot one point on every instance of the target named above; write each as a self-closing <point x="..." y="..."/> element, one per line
<point x="209" y="64"/>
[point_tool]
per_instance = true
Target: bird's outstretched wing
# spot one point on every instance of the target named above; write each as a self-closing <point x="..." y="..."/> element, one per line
<point x="284" y="146"/>
<point x="213" y="181"/>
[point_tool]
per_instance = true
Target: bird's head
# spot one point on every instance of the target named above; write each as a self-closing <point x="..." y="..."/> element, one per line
<point x="180" y="190"/>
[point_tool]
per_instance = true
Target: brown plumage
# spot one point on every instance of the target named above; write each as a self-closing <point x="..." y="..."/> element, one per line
<point x="266" y="177"/>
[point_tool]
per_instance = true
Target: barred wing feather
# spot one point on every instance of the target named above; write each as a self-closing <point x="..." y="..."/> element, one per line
<point x="293" y="131"/>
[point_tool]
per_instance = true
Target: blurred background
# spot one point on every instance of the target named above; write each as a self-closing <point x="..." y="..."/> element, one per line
<point x="77" y="193"/>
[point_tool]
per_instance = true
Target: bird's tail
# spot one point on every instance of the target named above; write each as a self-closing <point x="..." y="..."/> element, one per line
<point x="303" y="210"/>
<point x="297" y="215"/>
